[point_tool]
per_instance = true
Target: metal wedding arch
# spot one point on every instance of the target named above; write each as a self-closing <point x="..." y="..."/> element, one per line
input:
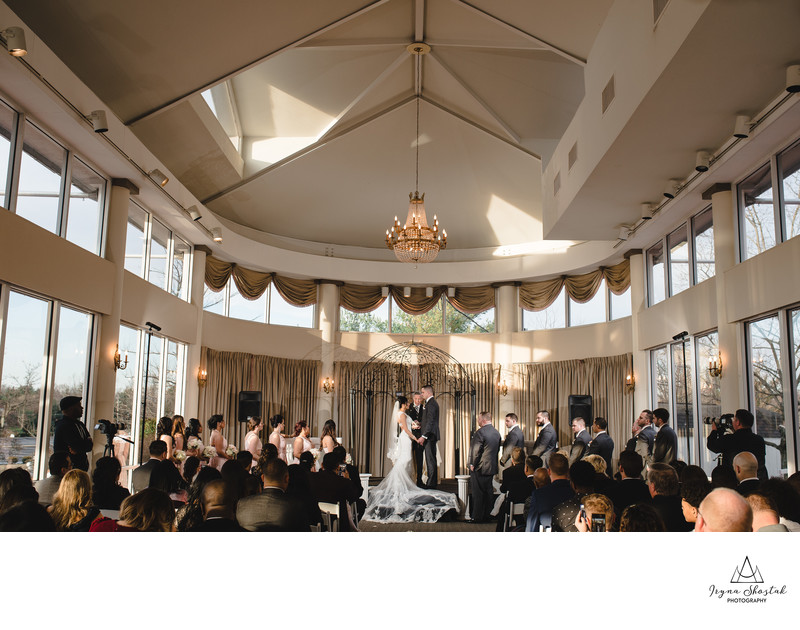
<point x="413" y="364"/>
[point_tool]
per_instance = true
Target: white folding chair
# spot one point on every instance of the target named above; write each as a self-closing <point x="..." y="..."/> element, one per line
<point x="329" y="510"/>
<point x="514" y="509"/>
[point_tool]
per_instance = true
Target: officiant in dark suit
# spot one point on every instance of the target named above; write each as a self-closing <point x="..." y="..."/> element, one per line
<point x="483" y="466"/>
<point x="514" y="438"/>
<point x="414" y="412"/>
<point x="430" y="435"/>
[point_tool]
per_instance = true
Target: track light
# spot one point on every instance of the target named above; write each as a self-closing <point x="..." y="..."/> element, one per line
<point x="428" y="291"/>
<point x="702" y="161"/>
<point x="673" y="186"/>
<point x="99" y="120"/>
<point x="158" y="177"/>
<point x="385" y="292"/>
<point x="451" y="292"/>
<point x="742" y="127"/>
<point x="15" y="41"/>
<point x="793" y="79"/>
<point x="193" y="213"/>
<point x="624" y="232"/>
<point x="216" y="234"/>
<point x="647" y="211"/>
<point x="407" y="292"/>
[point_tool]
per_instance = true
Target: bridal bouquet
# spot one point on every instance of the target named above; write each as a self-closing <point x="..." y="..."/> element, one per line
<point x="315" y="453"/>
<point x="179" y="455"/>
<point x="194" y="444"/>
<point x="348" y="460"/>
<point x="209" y="451"/>
<point x="231" y="451"/>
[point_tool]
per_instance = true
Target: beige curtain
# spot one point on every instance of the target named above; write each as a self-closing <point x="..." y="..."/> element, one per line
<point x="539" y="295"/>
<point x="288" y="387"/>
<point x="548" y="386"/>
<point x="251" y="284"/>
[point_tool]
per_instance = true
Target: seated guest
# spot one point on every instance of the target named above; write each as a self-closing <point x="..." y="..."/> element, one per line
<point x="662" y="481"/>
<point x="581" y="478"/>
<point x="724" y="477"/>
<point x="190" y="467"/>
<point x="355" y="478"/>
<point x="191" y="514"/>
<point x="517" y="484"/>
<point x="595" y="505"/>
<point x="299" y="488"/>
<point x="724" y="510"/>
<point x="28" y="516"/>
<point x="745" y="465"/>
<point x="140" y="478"/>
<point x="147" y="511"/>
<point x="272" y="509"/>
<point x="245" y="459"/>
<point x="602" y="484"/>
<point x="307" y="461"/>
<point x="165" y="477"/>
<point x="218" y="504"/>
<point x="16" y="487"/>
<point x="631" y="488"/>
<point x="72" y="509"/>
<point x="106" y="491"/>
<point x="694" y="488"/>
<point x="543" y="500"/>
<point x="640" y="517"/>
<point x="236" y="477"/>
<point x="794" y="480"/>
<point x="269" y="452"/>
<point x="679" y="465"/>
<point x="329" y="487"/>
<point x="765" y="514"/>
<point x="59" y="465"/>
<point x="786" y="499"/>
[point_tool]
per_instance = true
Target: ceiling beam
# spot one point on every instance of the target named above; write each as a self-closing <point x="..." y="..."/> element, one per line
<point x="524" y="34"/>
<point x="456" y="43"/>
<point x="357" y="44"/>
<point x="179" y="99"/>
<point x="419" y="20"/>
<point x="311" y="147"/>
<point x="513" y="135"/>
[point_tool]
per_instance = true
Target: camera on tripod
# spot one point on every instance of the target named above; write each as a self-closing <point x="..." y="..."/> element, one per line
<point x="109" y="428"/>
<point x="724" y="422"/>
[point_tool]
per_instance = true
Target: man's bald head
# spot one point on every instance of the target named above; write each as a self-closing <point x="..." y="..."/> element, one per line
<point x="724" y="510"/>
<point x="541" y="477"/>
<point x="745" y="465"/>
<point x="218" y="499"/>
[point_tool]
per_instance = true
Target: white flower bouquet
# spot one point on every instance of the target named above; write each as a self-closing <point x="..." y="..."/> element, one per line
<point x="315" y="453"/>
<point x="231" y="451"/>
<point x="209" y="451"/>
<point x="194" y="444"/>
<point x="348" y="460"/>
<point x="179" y="455"/>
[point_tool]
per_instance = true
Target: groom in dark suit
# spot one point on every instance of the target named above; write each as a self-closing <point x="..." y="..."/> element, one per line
<point x="415" y="413"/>
<point x="430" y="434"/>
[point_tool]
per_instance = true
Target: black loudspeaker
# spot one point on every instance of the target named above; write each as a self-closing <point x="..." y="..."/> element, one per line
<point x="249" y="405"/>
<point x="581" y="407"/>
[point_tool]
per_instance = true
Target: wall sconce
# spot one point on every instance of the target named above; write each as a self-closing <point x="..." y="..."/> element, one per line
<point x="327" y="385"/>
<point x="202" y="377"/>
<point x="715" y="366"/>
<point x="118" y="363"/>
<point x="502" y="388"/>
<point x="630" y="383"/>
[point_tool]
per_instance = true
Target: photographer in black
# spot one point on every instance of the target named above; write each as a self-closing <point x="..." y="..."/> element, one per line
<point x="742" y="439"/>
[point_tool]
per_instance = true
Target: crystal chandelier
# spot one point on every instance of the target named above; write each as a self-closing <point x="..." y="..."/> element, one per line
<point x="416" y="241"/>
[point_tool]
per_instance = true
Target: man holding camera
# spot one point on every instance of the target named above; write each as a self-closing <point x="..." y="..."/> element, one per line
<point x="742" y="439"/>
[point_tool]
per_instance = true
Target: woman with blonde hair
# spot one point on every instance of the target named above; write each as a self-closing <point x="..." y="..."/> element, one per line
<point x="252" y="442"/>
<point x="148" y="510"/>
<point x="72" y="509"/>
<point x="178" y="429"/>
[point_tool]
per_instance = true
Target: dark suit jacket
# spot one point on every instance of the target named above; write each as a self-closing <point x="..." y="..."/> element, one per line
<point x="545" y="443"/>
<point x="272" y="511"/>
<point x="483" y="450"/>
<point x="627" y="492"/>
<point x="73" y="437"/>
<point x="415" y="416"/>
<point x="218" y="525"/>
<point x="748" y="487"/>
<point x="331" y="488"/>
<point x="602" y="445"/>
<point x="516" y="483"/>
<point x="578" y="448"/>
<point x="543" y="500"/>
<point x="732" y="444"/>
<point x="430" y="420"/>
<point x="665" y="446"/>
<point x="670" y="510"/>
<point x="649" y="435"/>
<point x="140" y="478"/>
<point x="513" y="439"/>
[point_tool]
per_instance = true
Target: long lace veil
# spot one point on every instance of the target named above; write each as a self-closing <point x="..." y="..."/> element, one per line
<point x="394" y="446"/>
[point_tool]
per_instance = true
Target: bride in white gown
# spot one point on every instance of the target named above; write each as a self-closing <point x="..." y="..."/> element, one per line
<point x="397" y="499"/>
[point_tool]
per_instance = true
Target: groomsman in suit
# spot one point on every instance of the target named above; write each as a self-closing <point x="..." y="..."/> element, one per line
<point x="602" y="444"/>
<point x="513" y="439"/>
<point x="546" y="442"/>
<point x="581" y="441"/>
<point x="415" y="413"/>
<point x="665" y="443"/>
<point x="141" y="475"/>
<point x="483" y="466"/>
<point x="430" y="435"/>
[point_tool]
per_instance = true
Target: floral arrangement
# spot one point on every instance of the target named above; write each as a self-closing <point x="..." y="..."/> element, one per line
<point x="348" y="460"/>
<point x="315" y="453"/>
<point x="179" y="455"/>
<point x="209" y="451"/>
<point x="231" y="451"/>
<point x="194" y="443"/>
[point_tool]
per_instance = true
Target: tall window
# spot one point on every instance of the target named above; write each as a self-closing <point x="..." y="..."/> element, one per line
<point x="678" y="261"/>
<point x="789" y="173"/>
<point x="155" y="252"/>
<point x="604" y="306"/>
<point x="656" y="273"/>
<point x="591" y="312"/>
<point x="374" y="321"/>
<point x="269" y="308"/>
<point x="43" y="163"/>
<point x="554" y="316"/>
<point x="46" y="350"/>
<point x="8" y="119"/>
<point x="682" y="419"/>
<point x="443" y="318"/>
<point x="703" y="232"/>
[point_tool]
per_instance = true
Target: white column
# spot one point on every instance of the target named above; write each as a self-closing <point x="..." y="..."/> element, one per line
<point x="507" y="324"/>
<point x="191" y="406"/>
<point x="328" y="317"/>
<point x="641" y="365"/>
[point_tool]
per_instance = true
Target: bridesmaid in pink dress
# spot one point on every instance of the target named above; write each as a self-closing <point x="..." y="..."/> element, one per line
<point x="302" y="443"/>
<point x="252" y="442"/>
<point x="276" y="437"/>
<point x="216" y="423"/>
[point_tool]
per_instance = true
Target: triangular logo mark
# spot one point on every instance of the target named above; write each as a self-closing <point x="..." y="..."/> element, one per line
<point x="746" y="574"/>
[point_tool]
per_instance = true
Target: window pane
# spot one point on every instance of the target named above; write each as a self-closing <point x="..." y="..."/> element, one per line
<point x="7" y="117"/>
<point x="758" y="215"/>
<point x="242" y="308"/>
<point x="180" y="267"/>
<point x="72" y="367"/>
<point x="458" y="322"/>
<point x="374" y="321"/>
<point x="26" y="335"/>
<point x="661" y="397"/>
<point x="153" y="384"/>
<point x="126" y="408"/>
<point x="703" y="229"/>
<point x="213" y="301"/>
<point x="795" y="319"/>
<point x="171" y="398"/>
<point x="682" y="419"/>
<point x="134" y="241"/>
<point x="678" y="261"/>
<point x="85" y="207"/>
<point x="159" y="242"/>
<point x="591" y="312"/>
<point x="767" y="380"/>
<point x="655" y="265"/>
<point x="285" y="314"/>
<point x="708" y="348"/>
<point x="427" y="323"/>
<point x="789" y="164"/>
<point x="620" y="304"/>
<point x="40" y="179"/>
<point x="554" y="316"/>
